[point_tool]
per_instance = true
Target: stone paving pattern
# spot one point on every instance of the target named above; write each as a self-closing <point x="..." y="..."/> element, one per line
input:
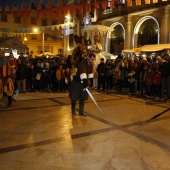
<point x="39" y="133"/>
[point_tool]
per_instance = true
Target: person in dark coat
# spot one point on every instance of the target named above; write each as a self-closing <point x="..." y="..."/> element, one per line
<point x="101" y="70"/>
<point x="81" y="81"/>
<point x="21" y="76"/>
<point x="31" y="77"/>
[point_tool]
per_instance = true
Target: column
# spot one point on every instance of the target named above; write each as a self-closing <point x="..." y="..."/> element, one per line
<point x="128" y="33"/>
<point x="135" y="41"/>
<point x="43" y="42"/>
<point x="164" y="34"/>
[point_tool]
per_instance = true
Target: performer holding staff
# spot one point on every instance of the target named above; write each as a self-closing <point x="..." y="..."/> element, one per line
<point x="7" y="70"/>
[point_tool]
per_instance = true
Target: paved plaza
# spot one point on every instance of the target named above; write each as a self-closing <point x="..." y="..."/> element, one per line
<point x="39" y="133"/>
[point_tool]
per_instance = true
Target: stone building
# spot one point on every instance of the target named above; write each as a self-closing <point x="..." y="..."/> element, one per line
<point x="39" y="24"/>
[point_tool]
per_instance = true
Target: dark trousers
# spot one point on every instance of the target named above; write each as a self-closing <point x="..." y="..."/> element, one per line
<point x="164" y="86"/>
<point x="156" y="90"/>
<point x="81" y="106"/>
<point x="132" y="87"/>
<point x="101" y="81"/>
<point x="9" y="101"/>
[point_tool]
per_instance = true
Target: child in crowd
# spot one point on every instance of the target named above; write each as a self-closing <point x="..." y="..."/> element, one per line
<point x="131" y="81"/>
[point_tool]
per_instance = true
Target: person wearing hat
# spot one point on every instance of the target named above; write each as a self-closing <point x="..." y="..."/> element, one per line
<point x="7" y="71"/>
<point x="78" y="51"/>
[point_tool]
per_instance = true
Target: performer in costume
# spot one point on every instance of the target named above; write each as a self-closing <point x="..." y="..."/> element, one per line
<point x="7" y="70"/>
<point x="81" y="81"/>
<point x="80" y="52"/>
<point x="77" y="52"/>
<point x="97" y="48"/>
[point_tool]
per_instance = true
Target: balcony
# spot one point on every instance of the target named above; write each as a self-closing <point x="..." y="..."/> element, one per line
<point x="122" y="9"/>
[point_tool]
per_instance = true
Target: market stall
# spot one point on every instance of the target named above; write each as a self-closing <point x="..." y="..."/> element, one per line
<point x="13" y="44"/>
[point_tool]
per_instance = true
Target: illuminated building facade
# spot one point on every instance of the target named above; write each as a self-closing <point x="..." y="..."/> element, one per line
<point x="39" y="24"/>
<point x="136" y="23"/>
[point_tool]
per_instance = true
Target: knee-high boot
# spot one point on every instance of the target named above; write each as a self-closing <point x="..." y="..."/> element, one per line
<point x="81" y="108"/>
<point x="73" y="107"/>
<point x="9" y="101"/>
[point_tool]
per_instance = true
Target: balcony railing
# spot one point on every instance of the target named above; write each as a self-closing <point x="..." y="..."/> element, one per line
<point x="123" y="9"/>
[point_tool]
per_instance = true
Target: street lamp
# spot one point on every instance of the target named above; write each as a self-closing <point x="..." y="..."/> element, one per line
<point x="25" y="39"/>
<point x="43" y="42"/>
<point x="36" y="30"/>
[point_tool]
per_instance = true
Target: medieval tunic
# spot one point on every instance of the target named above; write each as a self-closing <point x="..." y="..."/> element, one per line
<point x="5" y="73"/>
<point x="84" y="71"/>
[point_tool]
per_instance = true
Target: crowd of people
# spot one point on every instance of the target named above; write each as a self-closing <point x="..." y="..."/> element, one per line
<point x="143" y="76"/>
<point x="43" y="74"/>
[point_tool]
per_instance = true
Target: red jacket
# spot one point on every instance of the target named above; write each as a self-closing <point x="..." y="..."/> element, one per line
<point x="157" y="78"/>
<point x="149" y="78"/>
<point x="13" y="64"/>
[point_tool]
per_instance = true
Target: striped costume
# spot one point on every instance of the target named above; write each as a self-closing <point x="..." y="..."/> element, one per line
<point x="6" y="86"/>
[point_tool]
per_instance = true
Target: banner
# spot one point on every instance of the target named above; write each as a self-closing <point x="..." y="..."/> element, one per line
<point x="46" y="2"/>
<point x="129" y="2"/>
<point x="138" y="2"/>
<point x="147" y="2"/>
<point x="5" y="29"/>
<point x="69" y="4"/>
<point x="3" y="5"/>
<point x="41" y="29"/>
<point x="103" y="5"/>
<point x="19" y="4"/>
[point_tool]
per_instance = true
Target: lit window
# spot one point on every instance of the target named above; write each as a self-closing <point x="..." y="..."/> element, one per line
<point x="18" y="19"/>
<point x="33" y="37"/>
<point x="54" y="22"/>
<point x="44" y="22"/>
<point x="33" y="21"/>
<point x="4" y="17"/>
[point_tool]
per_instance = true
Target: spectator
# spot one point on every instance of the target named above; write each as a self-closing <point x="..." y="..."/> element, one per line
<point x="156" y="83"/>
<point x="21" y="76"/>
<point x="31" y="77"/>
<point x="148" y="82"/>
<point x="38" y="79"/>
<point x="101" y="71"/>
<point x="131" y="80"/>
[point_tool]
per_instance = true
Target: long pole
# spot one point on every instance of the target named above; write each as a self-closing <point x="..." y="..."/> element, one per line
<point x="43" y="42"/>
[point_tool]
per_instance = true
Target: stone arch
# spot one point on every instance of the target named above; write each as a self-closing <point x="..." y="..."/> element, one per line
<point x="109" y="34"/>
<point x="137" y="27"/>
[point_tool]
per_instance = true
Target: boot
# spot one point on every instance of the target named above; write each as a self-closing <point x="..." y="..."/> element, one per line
<point x="9" y="101"/>
<point x="81" y="108"/>
<point x="73" y="107"/>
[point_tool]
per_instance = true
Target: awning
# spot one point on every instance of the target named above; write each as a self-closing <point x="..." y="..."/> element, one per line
<point x="13" y="43"/>
<point x="97" y="28"/>
<point x="128" y="50"/>
<point x="155" y="47"/>
<point x="45" y="54"/>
